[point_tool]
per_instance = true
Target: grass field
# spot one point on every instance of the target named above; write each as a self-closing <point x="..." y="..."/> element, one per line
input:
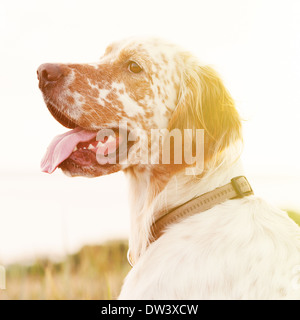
<point x="95" y="272"/>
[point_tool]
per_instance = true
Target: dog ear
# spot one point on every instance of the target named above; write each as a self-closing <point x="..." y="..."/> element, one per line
<point x="205" y="103"/>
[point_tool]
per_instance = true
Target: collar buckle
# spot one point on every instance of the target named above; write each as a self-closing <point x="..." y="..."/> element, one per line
<point x="241" y="186"/>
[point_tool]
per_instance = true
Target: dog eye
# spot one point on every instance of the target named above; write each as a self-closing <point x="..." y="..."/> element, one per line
<point x="134" y="67"/>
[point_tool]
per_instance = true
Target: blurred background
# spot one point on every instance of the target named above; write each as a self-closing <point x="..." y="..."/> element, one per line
<point x="254" y="45"/>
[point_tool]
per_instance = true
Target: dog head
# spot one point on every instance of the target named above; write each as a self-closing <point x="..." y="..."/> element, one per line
<point x="138" y="83"/>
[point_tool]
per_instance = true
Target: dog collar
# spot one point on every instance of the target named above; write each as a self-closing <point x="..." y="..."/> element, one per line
<point x="239" y="187"/>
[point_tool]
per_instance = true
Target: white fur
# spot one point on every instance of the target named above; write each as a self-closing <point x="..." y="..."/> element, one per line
<point x="241" y="249"/>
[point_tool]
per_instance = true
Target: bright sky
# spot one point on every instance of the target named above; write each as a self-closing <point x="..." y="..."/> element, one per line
<point x="254" y="45"/>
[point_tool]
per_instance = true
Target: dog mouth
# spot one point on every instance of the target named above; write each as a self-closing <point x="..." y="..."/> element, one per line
<point x="81" y="147"/>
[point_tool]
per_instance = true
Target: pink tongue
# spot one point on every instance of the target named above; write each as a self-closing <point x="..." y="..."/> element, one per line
<point x="62" y="146"/>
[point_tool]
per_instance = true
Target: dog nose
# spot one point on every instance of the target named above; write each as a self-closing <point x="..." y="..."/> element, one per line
<point x="49" y="72"/>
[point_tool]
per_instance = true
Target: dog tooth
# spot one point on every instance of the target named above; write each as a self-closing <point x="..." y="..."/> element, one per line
<point x="75" y="149"/>
<point x="111" y="138"/>
<point x="91" y="147"/>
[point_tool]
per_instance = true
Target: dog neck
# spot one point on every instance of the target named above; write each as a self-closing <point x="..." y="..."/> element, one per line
<point x="153" y="190"/>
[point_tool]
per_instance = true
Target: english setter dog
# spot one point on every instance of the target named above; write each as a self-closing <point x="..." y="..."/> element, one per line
<point x="193" y="236"/>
